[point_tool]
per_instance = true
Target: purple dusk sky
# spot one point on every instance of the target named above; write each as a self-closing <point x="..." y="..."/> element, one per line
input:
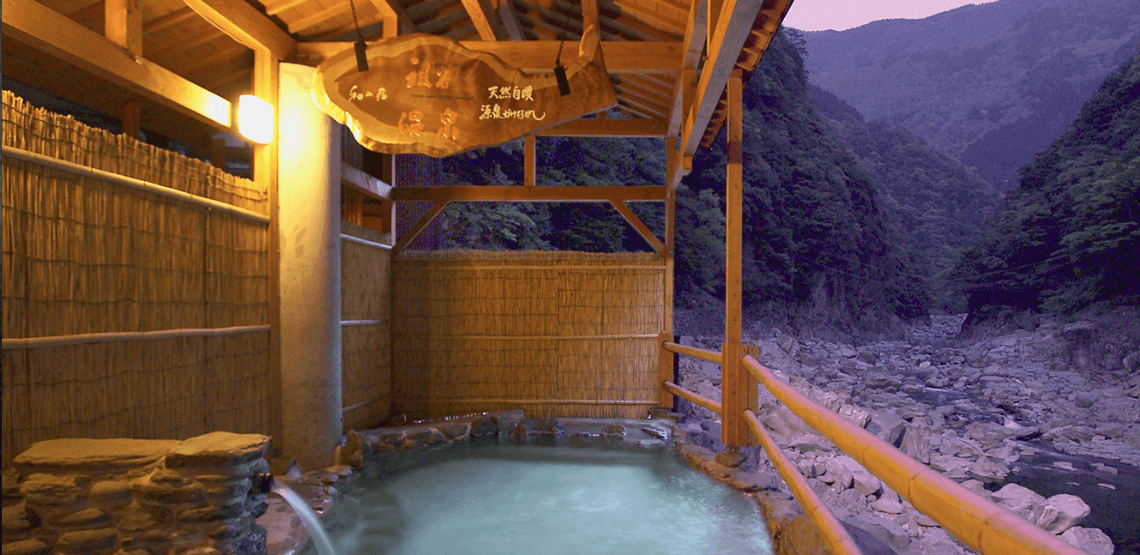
<point x="819" y="15"/>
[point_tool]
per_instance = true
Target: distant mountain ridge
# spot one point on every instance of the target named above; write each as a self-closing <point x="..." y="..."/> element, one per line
<point x="990" y="84"/>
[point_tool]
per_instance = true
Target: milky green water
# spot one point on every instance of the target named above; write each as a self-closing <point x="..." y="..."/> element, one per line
<point x="508" y="500"/>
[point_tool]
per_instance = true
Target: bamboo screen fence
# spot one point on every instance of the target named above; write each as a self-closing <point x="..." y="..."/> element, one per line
<point x="86" y="259"/>
<point x="554" y="333"/>
<point x="366" y="329"/>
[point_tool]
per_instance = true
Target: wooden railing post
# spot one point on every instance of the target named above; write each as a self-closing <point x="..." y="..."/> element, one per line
<point x="664" y="370"/>
<point x="734" y="385"/>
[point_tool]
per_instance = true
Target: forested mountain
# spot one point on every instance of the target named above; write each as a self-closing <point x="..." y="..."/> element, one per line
<point x="989" y="84"/>
<point x="818" y="248"/>
<point x="940" y="205"/>
<point x="1070" y="234"/>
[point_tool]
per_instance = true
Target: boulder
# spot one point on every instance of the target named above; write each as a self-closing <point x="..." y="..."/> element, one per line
<point x="1060" y="512"/>
<point x="1020" y="500"/>
<point x="988" y="470"/>
<point x="889" y="503"/>
<point x="916" y="443"/>
<point x="1090" y="540"/>
<point x="887" y="425"/>
<point x="884" y="530"/>
<point x="784" y="423"/>
<point x="864" y="482"/>
<point x="855" y="415"/>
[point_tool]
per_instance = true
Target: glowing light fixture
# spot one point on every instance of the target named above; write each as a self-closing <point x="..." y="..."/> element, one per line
<point x="255" y="119"/>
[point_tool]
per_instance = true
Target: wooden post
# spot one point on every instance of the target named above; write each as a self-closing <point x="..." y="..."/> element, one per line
<point x="265" y="87"/>
<point x="528" y="161"/>
<point x="714" y="15"/>
<point x="389" y="176"/>
<point x="733" y="430"/>
<point x="664" y="370"/>
<point x="670" y="230"/>
<point x="130" y="119"/>
<point x="122" y="25"/>
<point x="218" y="153"/>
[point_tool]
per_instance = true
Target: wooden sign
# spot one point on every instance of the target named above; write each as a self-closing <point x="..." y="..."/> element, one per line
<point x="430" y="95"/>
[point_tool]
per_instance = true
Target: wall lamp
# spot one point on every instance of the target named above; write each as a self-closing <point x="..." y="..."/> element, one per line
<point x="255" y="119"/>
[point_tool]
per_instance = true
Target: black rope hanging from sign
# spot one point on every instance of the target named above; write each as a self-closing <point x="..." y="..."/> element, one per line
<point x="360" y="46"/>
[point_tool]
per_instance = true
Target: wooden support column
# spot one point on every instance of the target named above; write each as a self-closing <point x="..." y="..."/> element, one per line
<point x="664" y="370"/>
<point x="714" y="14"/>
<point x="670" y="231"/>
<point x="130" y="119"/>
<point x="389" y="177"/>
<point x="123" y="25"/>
<point x="265" y="86"/>
<point x="734" y="432"/>
<point x="528" y="161"/>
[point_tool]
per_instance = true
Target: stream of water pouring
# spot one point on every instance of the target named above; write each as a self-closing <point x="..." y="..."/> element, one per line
<point x="308" y="517"/>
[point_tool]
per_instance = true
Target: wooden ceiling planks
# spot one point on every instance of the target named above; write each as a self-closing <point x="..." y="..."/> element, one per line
<point x="191" y="46"/>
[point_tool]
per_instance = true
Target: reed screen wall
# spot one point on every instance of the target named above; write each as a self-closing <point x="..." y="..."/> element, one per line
<point x="555" y="333"/>
<point x="366" y="330"/>
<point x="85" y="259"/>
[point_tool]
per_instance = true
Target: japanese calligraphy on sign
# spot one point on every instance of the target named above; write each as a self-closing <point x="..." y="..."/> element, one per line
<point x="430" y="95"/>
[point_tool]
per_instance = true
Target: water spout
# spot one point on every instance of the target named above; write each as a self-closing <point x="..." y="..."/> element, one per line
<point x="308" y="517"/>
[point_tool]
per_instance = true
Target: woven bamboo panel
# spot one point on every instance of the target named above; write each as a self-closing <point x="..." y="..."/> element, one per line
<point x="83" y="255"/>
<point x="555" y="333"/>
<point x="365" y="278"/>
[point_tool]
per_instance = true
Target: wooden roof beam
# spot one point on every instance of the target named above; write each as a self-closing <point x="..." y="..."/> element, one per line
<point x="604" y="127"/>
<point x="396" y="20"/>
<point x="169" y="20"/>
<point x="486" y="19"/>
<point x="692" y="47"/>
<point x="622" y="57"/>
<point x="317" y="18"/>
<point x="246" y="25"/>
<point x="510" y="19"/>
<point x="36" y="25"/>
<point x="503" y="193"/>
<point x="122" y="25"/>
<point x="733" y="26"/>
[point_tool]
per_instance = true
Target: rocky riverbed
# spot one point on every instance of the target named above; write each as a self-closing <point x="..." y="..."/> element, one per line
<point x="1043" y="419"/>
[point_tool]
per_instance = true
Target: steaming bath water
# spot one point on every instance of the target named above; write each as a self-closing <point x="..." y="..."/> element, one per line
<point x="507" y="500"/>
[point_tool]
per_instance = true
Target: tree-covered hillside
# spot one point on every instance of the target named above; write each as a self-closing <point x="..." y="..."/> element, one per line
<point x="940" y="205"/>
<point x="818" y="249"/>
<point x="1070" y="235"/>
<point x="990" y="84"/>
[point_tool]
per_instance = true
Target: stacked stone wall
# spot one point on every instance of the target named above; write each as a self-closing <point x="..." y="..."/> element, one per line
<point x="137" y="497"/>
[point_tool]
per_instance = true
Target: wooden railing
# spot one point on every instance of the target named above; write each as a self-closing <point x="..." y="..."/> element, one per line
<point x="980" y="524"/>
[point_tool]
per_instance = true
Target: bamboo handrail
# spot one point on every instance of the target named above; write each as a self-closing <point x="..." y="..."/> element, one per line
<point x="691" y="397"/>
<point x="838" y="541"/>
<point x="21" y="154"/>
<point x="982" y="525"/>
<point x="703" y="354"/>
<point x="106" y="337"/>
<point x="366" y="242"/>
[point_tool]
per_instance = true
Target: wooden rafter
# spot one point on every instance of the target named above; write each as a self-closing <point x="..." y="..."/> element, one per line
<point x="366" y="184"/>
<point x="443" y="21"/>
<point x="337" y="8"/>
<point x="420" y="11"/>
<point x="486" y="19"/>
<point x="667" y="24"/>
<point x="627" y="128"/>
<point x="639" y="226"/>
<point x="396" y="20"/>
<point x="205" y="37"/>
<point x="169" y="20"/>
<point x="122" y="25"/>
<point x="538" y="55"/>
<point x="211" y="61"/>
<point x="36" y="25"/>
<point x="732" y="28"/>
<point x="94" y="12"/>
<point x="246" y="25"/>
<point x="491" y="193"/>
<point x="278" y="7"/>
<point x="510" y="20"/>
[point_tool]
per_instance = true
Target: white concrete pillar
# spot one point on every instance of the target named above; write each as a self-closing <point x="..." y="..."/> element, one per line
<point x="309" y="210"/>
